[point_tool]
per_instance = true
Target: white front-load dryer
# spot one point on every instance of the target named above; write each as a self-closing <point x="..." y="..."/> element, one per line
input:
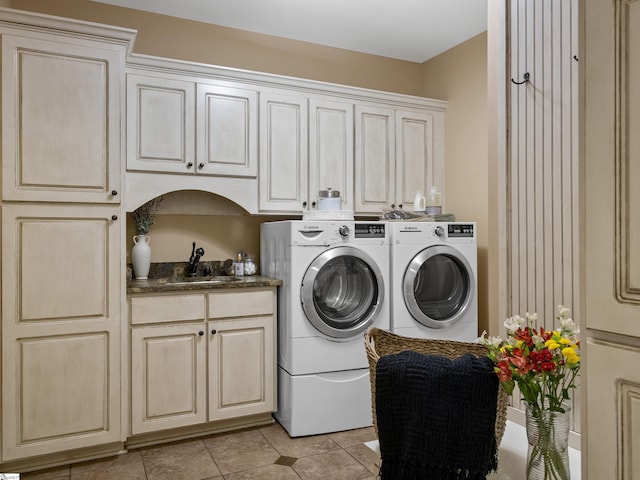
<point x="434" y="280"/>
<point x="335" y="286"/>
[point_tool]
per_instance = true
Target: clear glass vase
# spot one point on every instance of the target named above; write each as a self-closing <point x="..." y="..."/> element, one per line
<point x="548" y="437"/>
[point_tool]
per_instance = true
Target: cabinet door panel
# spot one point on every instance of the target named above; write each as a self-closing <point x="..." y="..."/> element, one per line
<point x="227" y="131"/>
<point x="160" y="124"/>
<point x="64" y="386"/>
<point x="168" y="377"/>
<point x="331" y="149"/>
<point x="61" y="120"/>
<point x="64" y="266"/>
<point x="283" y="153"/>
<point x="375" y="159"/>
<point x="62" y="288"/>
<point x="414" y="155"/>
<point x="241" y="367"/>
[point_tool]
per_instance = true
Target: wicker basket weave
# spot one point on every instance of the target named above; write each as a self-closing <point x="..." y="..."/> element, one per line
<point x="381" y="342"/>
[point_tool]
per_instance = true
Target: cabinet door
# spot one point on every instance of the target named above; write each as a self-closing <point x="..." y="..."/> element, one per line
<point x="168" y="377"/>
<point x="61" y="110"/>
<point x="62" y="287"/>
<point x="160" y="124"/>
<point x="418" y="156"/>
<point x="227" y="131"/>
<point x="283" y="153"/>
<point x="375" y="159"/>
<point x="331" y="149"/>
<point x="241" y="367"/>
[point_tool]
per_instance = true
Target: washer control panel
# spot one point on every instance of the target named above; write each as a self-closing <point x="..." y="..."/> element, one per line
<point x="370" y="230"/>
<point x="460" y="230"/>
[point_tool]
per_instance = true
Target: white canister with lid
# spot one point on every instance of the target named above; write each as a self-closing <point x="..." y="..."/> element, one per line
<point x="329" y="200"/>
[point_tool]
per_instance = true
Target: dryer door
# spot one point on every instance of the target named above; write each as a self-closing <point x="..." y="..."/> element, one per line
<point x="438" y="286"/>
<point x="342" y="291"/>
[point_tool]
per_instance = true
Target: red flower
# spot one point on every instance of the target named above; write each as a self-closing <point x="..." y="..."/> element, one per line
<point x="520" y="361"/>
<point x="525" y="336"/>
<point x="542" y="360"/>
<point x="504" y="371"/>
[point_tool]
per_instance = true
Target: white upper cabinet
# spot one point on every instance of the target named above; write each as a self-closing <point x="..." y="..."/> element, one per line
<point x="180" y="125"/>
<point x="374" y="158"/>
<point x="330" y="150"/>
<point x="283" y="153"/>
<point x="419" y="155"/>
<point x="227" y="131"/>
<point x="271" y="143"/>
<point x="61" y="111"/>
<point x="397" y="153"/>
<point x="160" y="124"/>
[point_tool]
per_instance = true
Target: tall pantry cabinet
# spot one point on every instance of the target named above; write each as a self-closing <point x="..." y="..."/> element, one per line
<point x="62" y="262"/>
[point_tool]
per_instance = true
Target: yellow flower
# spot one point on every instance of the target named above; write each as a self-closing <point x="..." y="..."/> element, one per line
<point x="570" y="354"/>
<point x="551" y="344"/>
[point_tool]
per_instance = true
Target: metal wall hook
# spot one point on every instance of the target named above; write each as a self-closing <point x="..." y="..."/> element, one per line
<point x="525" y="79"/>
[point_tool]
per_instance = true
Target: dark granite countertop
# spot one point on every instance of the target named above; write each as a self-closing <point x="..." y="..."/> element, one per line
<point x="203" y="283"/>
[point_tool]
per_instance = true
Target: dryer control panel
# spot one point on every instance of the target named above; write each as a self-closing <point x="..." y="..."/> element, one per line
<point x="460" y="230"/>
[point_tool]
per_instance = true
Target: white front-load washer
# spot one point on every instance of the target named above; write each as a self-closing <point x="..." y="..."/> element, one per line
<point x="434" y="280"/>
<point x="335" y="286"/>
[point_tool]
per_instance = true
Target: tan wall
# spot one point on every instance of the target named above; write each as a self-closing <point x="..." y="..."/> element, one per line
<point x="172" y="37"/>
<point x="460" y="77"/>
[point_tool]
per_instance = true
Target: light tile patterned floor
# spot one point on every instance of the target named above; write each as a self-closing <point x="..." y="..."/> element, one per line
<point x="264" y="453"/>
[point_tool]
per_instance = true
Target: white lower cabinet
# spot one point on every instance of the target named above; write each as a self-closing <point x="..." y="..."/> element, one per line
<point x="201" y="357"/>
<point x="168" y="377"/>
<point x="61" y="294"/>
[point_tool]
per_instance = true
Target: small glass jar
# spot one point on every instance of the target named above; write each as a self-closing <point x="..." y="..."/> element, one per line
<point x="250" y="266"/>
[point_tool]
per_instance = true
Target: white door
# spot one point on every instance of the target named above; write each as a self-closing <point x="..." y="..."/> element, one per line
<point x="227" y="131"/>
<point x="375" y="160"/>
<point x="61" y="303"/>
<point x="611" y="343"/>
<point x="416" y="153"/>
<point x="331" y="149"/>
<point x="160" y="124"/>
<point x="283" y="153"/>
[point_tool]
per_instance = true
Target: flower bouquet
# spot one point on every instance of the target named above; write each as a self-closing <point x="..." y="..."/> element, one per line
<point x="544" y="365"/>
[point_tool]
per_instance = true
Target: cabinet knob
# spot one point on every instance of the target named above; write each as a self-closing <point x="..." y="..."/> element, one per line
<point x="201" y="333"/>
<point x="190" y="164"/>
<point x="114" y="217"/>
<point x="393" y="205"/>
<point x="400" y="206"/>
<point x="304" y="204"/>
<point x="313" y="204"/>
<point x="114" y="192"/>
<point x="213" y="331"/>
<point x="201" y="166"/>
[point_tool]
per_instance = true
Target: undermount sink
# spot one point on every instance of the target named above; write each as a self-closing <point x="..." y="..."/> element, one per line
<point x="202" y="280"/>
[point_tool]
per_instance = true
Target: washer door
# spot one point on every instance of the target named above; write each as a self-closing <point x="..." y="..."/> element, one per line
<point x="342" y="291"/>
<point x="438" y="286"/>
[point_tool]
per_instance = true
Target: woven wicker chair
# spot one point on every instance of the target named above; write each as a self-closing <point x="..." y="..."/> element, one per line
<point x="381" y="342"/>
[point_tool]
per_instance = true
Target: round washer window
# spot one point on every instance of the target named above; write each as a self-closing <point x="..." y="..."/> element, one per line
<point x="438" y="286"/>
<point x="342" y="291"/>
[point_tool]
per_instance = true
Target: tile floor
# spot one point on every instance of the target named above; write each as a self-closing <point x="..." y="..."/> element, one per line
<point x="263" y="453"/>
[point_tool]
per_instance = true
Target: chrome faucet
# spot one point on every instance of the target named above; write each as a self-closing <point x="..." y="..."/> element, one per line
<point x="196" y="254"/>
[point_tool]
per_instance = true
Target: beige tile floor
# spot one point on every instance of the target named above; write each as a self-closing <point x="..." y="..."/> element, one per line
<point x="263" y="453"/>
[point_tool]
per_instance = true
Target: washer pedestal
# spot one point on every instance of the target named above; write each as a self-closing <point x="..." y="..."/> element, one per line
<point x="319" y="403"/>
